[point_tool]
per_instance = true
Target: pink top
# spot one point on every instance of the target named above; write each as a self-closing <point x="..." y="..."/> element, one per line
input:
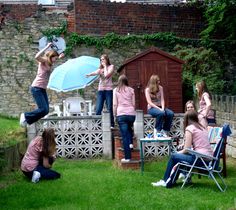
<point x="125" y="101"/>
<point x="105" y="83"/>
<point x="200" y="140"/>
<point x="202" y="102"/>
<point x="42" y="76"/>
<point x="32" y="155"/>
<point x="157" y="98"/>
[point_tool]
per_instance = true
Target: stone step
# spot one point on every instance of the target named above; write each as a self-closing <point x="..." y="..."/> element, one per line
<point x="118" y="142"/>
<point x="119" y="154"/>
<point x="133" y="164"/>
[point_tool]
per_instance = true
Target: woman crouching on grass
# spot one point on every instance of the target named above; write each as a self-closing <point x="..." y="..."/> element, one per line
<point x="40" y="156"/>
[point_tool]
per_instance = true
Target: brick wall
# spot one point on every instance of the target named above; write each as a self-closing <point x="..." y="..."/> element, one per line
<point x="17" y="12"/>
<point x="99" y="18"/>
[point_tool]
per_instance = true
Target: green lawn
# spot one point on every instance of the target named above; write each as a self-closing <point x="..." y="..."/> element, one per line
<point x="98" y="184"/>
<point x="10" y="131"/>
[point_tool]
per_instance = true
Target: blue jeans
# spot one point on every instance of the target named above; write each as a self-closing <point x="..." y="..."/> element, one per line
<point x="102" y="96"/>
<point x="163" y="118"/>
<point x="41" y="98"/>
<point x="126" y="123"/>
<point x="176" y="158"/>
<point x="46" y="173"/>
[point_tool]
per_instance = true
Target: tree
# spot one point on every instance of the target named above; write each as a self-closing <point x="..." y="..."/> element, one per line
<point x="221" y="19"/>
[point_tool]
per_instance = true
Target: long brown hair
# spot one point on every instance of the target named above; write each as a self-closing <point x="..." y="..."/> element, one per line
<point x="191" y="118"/>
<point x="49" y="143"/>
<point x="202" y="88"/>
<point x="49" y="55"/>
<point x="153" y="84"/>
<point x="105" y="56"/>
<point x="122" y="83"/>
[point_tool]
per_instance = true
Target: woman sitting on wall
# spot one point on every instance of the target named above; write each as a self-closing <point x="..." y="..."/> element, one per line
<point x="156" y="106"/>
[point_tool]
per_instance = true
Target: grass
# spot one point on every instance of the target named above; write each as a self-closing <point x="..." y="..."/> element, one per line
<point x="97" y="184"/>
<point x="10" y="131"/>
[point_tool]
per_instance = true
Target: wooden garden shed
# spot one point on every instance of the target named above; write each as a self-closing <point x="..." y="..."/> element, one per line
<point x="139" y="69"/>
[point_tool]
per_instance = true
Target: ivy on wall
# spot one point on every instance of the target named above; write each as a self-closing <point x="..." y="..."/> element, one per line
<point x="200" y="62"/>
<point x="56" y="31"/>
<point x="112" y="40"/>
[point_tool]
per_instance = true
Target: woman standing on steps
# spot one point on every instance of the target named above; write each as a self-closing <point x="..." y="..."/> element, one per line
<point x="124" y="110"/>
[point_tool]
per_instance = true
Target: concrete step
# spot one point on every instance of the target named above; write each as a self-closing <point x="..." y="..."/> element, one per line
<point x="119" y="154"/>
<point x="133" y="164"/>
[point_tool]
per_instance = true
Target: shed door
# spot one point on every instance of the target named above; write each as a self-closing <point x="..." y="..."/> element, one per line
<point x="139" y="74"/>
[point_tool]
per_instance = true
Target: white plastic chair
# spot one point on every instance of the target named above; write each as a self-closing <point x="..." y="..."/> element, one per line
<point x="56" y="111"/>
<point x="74" y="106"/>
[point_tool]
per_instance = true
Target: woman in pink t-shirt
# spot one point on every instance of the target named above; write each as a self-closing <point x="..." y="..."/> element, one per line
<point x="40" y="156"/>
<point x="156" y="107"/>
<point x="105" y="87"/>
<point x="205" y="114"/>
<point x="39" y="86"/>
<point x="124" y="110"/>
<point x="196" y="137"/>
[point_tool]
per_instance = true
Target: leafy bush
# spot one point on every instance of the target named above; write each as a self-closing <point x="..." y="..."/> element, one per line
<point x="200" y="64"/>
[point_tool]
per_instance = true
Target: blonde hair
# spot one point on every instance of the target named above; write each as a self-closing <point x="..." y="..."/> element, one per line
<point x="49" y="55"/>
<point x="153" y="84"/>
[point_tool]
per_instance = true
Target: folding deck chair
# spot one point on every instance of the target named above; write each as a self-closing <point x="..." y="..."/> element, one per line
<point x="214" y="135"/>
<point x="206" y="165"/>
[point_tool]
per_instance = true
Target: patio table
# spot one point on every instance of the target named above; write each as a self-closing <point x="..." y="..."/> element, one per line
<point x="142" y="141"/>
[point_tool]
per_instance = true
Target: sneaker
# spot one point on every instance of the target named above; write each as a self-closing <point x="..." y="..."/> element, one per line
<point x="181" y="176"/>
<point x="112" y="128"/>
<point x="123" y="160"/>
<point x="36" y="176"/>
<point x="158" y="135"/>
<point x="131" y="146"/>
<point x="161" y="183"/>
<point x="23" y="122"/>
<point x="164" y="133"/>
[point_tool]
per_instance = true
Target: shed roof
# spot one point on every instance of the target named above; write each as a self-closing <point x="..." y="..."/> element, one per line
<point x="150" y="50"/>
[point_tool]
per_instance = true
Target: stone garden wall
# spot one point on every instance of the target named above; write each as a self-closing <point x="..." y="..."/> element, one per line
<point x="226" y="113"/>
